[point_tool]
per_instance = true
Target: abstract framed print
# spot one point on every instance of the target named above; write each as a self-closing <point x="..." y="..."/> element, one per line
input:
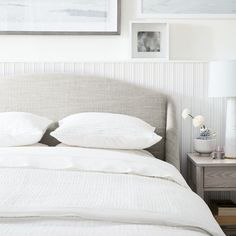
<point x="187" y="8"/>
<point x="60" y="17"/>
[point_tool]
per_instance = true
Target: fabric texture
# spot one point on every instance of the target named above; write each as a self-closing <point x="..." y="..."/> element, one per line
<point x="37" y="145"/>
<point x="172" y="139"/>
<point x="106" y="130"/>
<point x="21" y="129"/>
<point x="123" y="190"/>
<point x="73" y="227"/>
<point x="42" y="95"/>
<point x="138" y="162"/>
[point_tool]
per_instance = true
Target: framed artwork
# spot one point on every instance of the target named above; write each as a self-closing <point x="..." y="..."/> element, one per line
<point x="150" y="40"/>
<point x="69" y="17"/>
<point x="187" y="8"/>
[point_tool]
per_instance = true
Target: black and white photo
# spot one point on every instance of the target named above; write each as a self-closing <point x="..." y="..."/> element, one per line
<point x="149" y="41"/>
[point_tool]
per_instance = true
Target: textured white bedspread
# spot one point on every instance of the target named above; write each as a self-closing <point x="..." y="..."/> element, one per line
<point x="74" y="191"/>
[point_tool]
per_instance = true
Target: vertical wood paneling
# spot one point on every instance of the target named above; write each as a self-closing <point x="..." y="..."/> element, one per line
<point x="186" y="82"/>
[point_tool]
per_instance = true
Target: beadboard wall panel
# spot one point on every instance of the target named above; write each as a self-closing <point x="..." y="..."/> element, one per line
<point x="185" y="82"/>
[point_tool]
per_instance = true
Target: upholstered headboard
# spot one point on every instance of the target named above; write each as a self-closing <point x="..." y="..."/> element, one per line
<point x="56" y="96"/>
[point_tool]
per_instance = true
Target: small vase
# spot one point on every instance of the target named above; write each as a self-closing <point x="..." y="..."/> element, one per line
<point x="204" y="146"/>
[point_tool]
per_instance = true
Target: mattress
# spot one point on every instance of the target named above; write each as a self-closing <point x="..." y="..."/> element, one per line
<point x="80" y="191"/>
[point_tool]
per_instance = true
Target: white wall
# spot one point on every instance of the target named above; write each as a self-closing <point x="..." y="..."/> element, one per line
<point x="189" y="40"/>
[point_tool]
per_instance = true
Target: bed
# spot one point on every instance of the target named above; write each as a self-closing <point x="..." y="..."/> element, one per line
<point x="84" y="191"/>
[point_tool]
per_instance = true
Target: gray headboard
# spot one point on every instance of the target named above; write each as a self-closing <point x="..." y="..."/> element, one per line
<point x="56" y="96"/>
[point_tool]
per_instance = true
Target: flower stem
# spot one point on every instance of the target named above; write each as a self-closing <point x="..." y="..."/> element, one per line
<point x="191" y="116"/>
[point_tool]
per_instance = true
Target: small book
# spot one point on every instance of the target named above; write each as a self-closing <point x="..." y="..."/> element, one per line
<point x="226" y="220"/>
<point x="223" y="208"/>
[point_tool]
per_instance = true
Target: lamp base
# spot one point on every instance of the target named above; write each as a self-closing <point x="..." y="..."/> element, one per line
<point x="230" y="133"/>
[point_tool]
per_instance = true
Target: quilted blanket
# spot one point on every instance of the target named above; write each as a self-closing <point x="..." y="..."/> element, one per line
<point x="79" y="191"/>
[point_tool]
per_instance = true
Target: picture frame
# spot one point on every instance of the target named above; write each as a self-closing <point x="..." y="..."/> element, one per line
<point x="167" y="9"/>
<point x="149" y="40"/>
<point x="63" y="17"/>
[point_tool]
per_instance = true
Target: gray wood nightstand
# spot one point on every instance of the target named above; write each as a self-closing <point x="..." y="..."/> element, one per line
<point x="206" y="174"/>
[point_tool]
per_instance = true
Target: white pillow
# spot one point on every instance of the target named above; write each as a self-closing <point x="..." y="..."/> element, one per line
<point x="105" y="130"/>
<point x="21" y="129"/>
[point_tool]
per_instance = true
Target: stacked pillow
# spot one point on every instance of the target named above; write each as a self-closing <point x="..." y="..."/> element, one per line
<point x="21" y="129"/>
<point x="105" y="130"/>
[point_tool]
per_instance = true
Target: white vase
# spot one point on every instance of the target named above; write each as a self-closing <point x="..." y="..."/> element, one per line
<point x="204" y="146"/>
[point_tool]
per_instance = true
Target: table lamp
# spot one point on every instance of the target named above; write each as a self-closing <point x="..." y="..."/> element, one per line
<point x="222" y="83"/>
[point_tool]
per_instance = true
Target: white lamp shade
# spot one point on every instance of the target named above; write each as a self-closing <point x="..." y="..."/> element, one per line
<point x="222" y="79"/>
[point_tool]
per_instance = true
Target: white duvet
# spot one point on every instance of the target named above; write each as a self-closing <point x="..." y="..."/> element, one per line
<point x="78" y="191"/>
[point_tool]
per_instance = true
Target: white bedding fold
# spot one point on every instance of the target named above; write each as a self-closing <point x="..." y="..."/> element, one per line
<point x="89" y="159"/>
<point x="128" y="187"/>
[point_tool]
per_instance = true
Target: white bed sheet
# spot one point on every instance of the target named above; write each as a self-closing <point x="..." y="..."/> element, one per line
<point x="63" y="191"/>
<point x="37" y="145"/>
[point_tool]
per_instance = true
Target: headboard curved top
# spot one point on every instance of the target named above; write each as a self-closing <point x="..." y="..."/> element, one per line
<point x="57" y="96"/>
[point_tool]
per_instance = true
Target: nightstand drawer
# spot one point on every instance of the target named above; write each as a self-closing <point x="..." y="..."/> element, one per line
<point x="220" y="177"/>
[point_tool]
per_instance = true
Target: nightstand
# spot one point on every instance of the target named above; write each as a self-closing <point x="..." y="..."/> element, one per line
<point x="206" y="174"/>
